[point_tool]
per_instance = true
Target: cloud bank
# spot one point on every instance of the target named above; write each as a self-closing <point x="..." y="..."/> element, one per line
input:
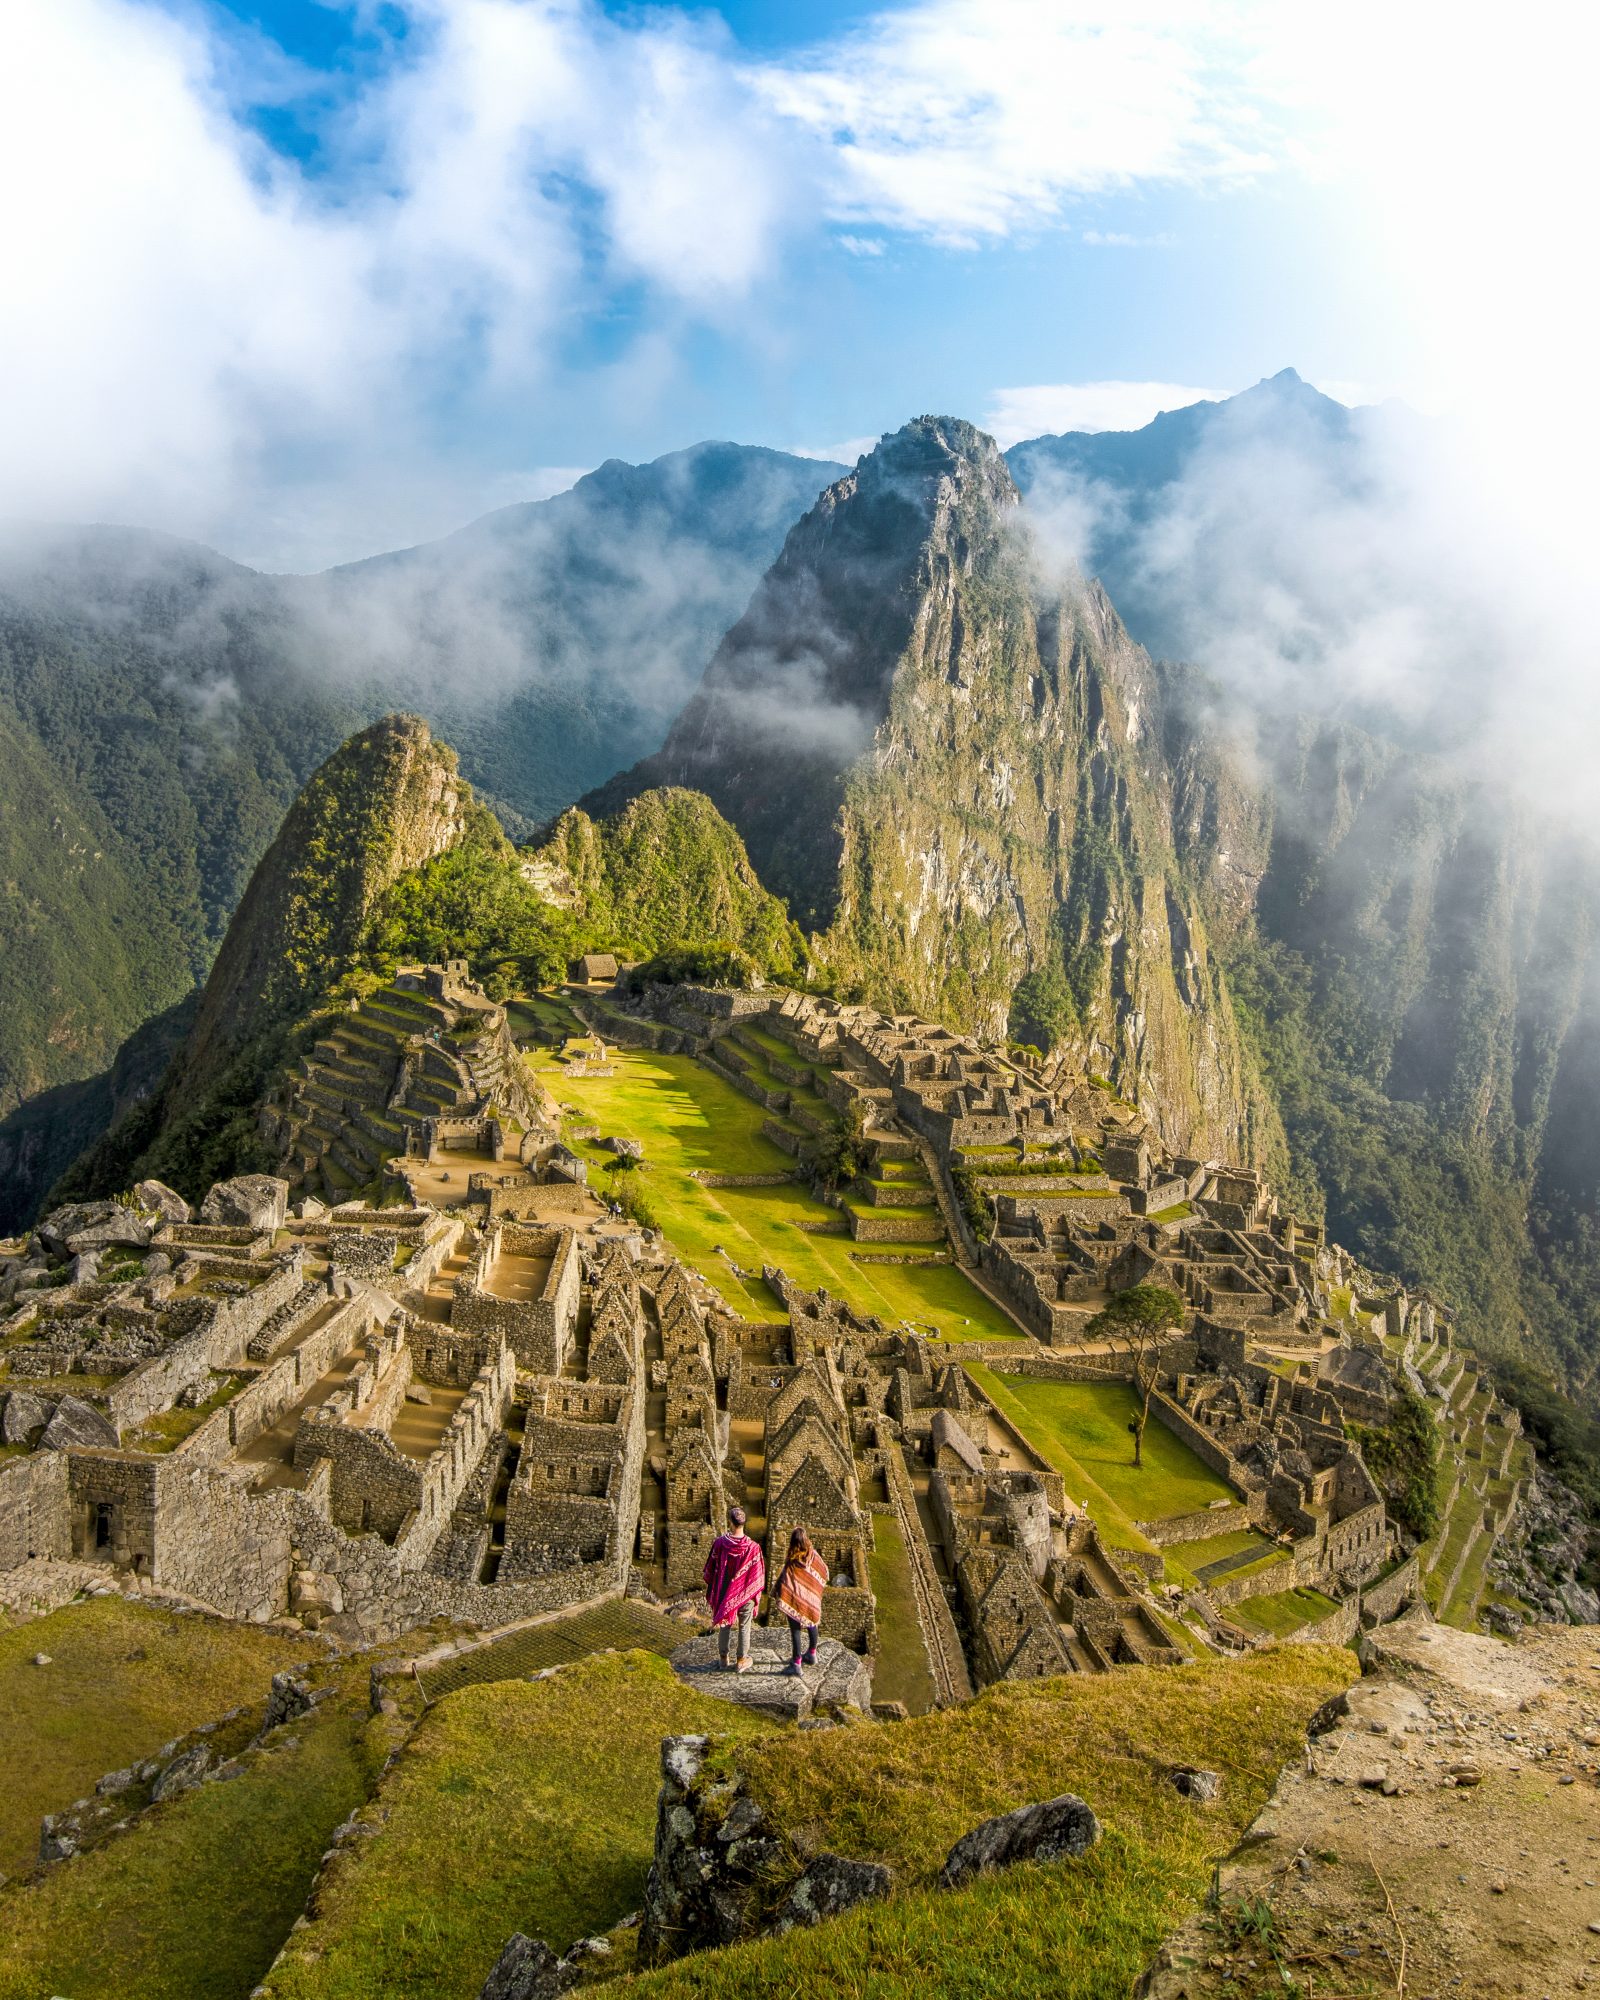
<point x="200" y="331"/>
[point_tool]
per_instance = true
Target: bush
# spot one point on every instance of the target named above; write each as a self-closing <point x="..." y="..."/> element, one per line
<point x="840" y="1153"/>
<point x="1402" y="1456"/>
<point x="694" y="965"/>
<point x="974" y="1203"/>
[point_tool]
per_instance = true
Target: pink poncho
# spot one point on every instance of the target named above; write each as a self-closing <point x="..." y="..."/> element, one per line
<point x="734" y="1572"/>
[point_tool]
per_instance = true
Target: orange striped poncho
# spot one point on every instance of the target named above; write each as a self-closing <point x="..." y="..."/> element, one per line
<point x="799" y="1588"/>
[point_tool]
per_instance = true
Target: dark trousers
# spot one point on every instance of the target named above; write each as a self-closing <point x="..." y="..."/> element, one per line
<point x="802" y="1638"/>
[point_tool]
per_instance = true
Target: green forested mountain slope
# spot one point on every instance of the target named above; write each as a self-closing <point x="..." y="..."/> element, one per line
<point x="385" y="857"/>
<point x="160" y="706"/>
<point x="83" y="960"/>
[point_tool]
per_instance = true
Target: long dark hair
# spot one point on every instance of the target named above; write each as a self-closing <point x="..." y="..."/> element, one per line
<point x="799" y="1544"/>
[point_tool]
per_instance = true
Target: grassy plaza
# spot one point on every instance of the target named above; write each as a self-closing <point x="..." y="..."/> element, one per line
<point x="689" y="1120"/>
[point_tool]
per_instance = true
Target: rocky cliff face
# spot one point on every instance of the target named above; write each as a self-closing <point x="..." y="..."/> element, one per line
<point x="954" y="767"/>
<point x="385" y="802"/>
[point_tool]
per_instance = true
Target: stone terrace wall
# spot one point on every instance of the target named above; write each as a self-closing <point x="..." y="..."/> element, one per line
<point x="33" y="1508"/>
<point x="1199" y="1440"/>
<point x="1205" y="1522"/>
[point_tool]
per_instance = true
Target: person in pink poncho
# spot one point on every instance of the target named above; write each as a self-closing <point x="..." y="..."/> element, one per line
<point x="734" y="1576"/>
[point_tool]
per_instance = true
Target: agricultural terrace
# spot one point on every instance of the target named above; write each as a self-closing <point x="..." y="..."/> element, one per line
<point x="689" y="1120"/>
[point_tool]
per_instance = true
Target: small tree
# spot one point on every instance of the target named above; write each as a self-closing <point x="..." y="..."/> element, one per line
<point x="1144" y="1316"/>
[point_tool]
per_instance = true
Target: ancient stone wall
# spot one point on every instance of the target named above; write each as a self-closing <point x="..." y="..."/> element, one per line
<point x="1207" y="1521"/>
<point x="112" y="1507"/>
<point x="1197" y="1438"/>
<point x="34" y="1519"/>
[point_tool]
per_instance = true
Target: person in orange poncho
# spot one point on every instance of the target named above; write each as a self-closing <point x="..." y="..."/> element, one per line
<point x="798" y="1593"/>
<point x="733" y="1583"/>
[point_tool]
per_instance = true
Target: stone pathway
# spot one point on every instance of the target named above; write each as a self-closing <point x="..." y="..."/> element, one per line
<point x="839" y="1677"/>
<point x="1442" y="1838"/>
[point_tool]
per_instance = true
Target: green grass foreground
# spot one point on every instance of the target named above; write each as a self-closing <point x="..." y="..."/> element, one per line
<point x="691" y="1119"/>
<point x="193" y="1901"/>
<point x="123" y="1679"/>
<point x="516" y="1806"/>
<point x="1078" y="1931"/>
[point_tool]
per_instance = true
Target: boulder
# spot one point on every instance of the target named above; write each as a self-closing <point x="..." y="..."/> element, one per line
<point x="831" y="1884"/>
<point x="161" y="1200"/>
<point x="840" y="1679"/>
<point x="184" y="1772"/>
<point x="315" y="1595"/>
<point x="248" y="1201"/>
<point x="625" y="1149"/>
<point x="76" y="1422"/>
<point x="22" y="1416"/>
<point x="527" y="1969"/>
<point x="84" y="1267"/>
<point x="1202" y="1786"/>
<point x="94" y="1225"/>
<point x="1049" y="1831"/>
<point x="57" y="1843"/>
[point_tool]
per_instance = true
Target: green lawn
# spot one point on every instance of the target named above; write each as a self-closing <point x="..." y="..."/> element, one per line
<point x="515" y="1806"/>
<point x="1214" y="1548"/>
<point x="690" y="1118"/>
<point x="902" y="1672"/>
<point x="123" y="1679"/>
<point x="1284" y="1611"/>
<point x="1081" y="1428"/>
<point x="1076" y="1930"/>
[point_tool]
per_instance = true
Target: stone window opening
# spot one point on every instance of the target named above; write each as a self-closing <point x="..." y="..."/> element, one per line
<point x="105" y="1520"/>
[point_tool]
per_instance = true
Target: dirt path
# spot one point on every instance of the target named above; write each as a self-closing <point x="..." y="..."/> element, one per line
<point x="1443" y="1838"/>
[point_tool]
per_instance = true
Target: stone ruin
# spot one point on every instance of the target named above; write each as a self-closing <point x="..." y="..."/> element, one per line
<point x="367" y="1416"/>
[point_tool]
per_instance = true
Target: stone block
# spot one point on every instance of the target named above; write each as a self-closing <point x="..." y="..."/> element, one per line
<point x="76" y="1422"/>
<point x="1049" y="1831"/>
<point x="527" y="1969"/>
<point x="831" y="1884"/>
<point x="161" y="1200"/>
<point x="95" y="1225"/>
<point x="22" y="1416"/>
<point x="248" y="1201"/>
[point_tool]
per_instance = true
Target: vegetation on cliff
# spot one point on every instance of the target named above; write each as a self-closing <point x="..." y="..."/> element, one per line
<point x="385" y="858"/>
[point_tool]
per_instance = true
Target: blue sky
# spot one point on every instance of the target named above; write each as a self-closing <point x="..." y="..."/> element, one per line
<point x="308" y="280"/>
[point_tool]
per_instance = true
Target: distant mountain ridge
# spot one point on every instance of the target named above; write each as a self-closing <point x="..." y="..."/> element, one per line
<point x="162" y="705"/>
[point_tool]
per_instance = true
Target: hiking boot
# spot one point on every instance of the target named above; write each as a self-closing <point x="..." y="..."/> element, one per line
<point x="809" y="1659"/>
<point x="792" y="1671"/>
<point x="744" y="1666"/>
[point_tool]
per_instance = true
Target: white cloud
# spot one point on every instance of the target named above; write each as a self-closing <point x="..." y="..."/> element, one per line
<point x="1119" y="239"/>
<point x="845" y="452"/>
<point x="970" y="119"/>
<point x="186" y="313"/>
<point x="1047" y="407"/>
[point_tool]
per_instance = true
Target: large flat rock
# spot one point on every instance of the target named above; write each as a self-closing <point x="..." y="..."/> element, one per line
<point x="839" y="1676"/>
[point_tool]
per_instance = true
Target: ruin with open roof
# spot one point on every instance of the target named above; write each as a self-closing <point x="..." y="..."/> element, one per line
<point x="424" y="1371"/>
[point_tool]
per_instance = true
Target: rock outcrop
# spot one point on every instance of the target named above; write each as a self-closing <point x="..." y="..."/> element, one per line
<point x="956" y="769"/>
<point x="1052" y="1830"/>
